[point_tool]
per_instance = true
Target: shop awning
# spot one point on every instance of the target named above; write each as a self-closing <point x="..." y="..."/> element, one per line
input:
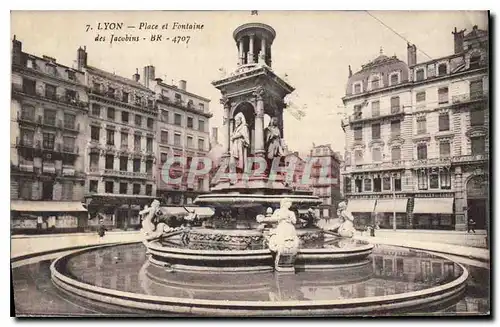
<point x="360" y="205"/>
<point x="433" y="205"/>
<point x="202" y="212"/>
<point x="390" y="205"/>
<point x="47" y="206"/>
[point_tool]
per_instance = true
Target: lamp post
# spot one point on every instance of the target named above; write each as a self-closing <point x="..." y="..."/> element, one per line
<point x="394" y="203"/>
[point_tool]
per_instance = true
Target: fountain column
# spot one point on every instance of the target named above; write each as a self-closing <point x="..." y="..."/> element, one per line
<point x="241" y="52"/>
<point x="225" y="122"/>
<point x="259" y="122"/>
<point x="250" y="57"/>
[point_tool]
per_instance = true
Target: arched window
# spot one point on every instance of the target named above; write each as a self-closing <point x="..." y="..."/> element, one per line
<point x="442" y="69"/>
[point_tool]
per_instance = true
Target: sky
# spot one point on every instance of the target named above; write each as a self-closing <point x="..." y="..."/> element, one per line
<point x="312" y="48"/>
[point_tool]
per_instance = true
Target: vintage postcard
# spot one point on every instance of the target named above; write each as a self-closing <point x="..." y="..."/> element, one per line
<point x="250" y="163"/>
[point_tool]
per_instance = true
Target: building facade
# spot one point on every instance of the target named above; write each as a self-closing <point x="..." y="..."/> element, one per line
<point x="183" y="131"/>
<point x="48" y="123"/>
<point x="326" y="163"/>
<point x="121" y="147"/>
<point x="417" y="139"/>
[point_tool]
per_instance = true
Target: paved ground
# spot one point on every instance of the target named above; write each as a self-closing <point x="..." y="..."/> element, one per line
<point x="455" y="243"/>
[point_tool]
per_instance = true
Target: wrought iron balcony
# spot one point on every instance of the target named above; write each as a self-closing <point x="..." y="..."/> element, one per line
<point x="125" y="174"/>
<point x="468" y="97"/>
<point x="471" y="158"/>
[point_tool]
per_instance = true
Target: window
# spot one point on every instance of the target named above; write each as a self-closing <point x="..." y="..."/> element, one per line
<point x="123" y="188"/>
<point x="375" y="83"/>
<point x="444" y="122"/>
<point x="377" y="184"/>
<point x="137" y="142"/>
<point x="93" y="186"/>
<point x="422" y="179"/>
<point x="395" y="128"/>
<point x="51" y="69"/>
<point x="150" y="103"/>
<point x="149" y="189"/>
<point x="386" y="183"/>
<point x="177" y="139"/>
<point x="124" y="140"/>
<point x="149" y="167"/>
<point x="434" y="179"/>
<point x="28" y="112"/>
<point x="47" y="190"/>
<point x="347" y="185"/>
<point x="190" y="122"/>
<point x="178" y="98"/>
<point x="477" y="117"/>
<point x="445" y="178"/>
<point x="125" y="97"/>
<point x="189" y="142"/>
<point x="110" y="137"/>
<point x="49" y="117"/>
<point x="29" y="86"/>
<point x="137" y="165"/>
<point x="48" y="141"/>
<point x="397" y="184"/>
<point x="376" y="131"/>
<point x="201" y="144"/>
<point x="110" y="161"/>
<point x="150" y="123"/>
<point x="476" y="89"/>
<point x="138" y="120"/>
<point x="375" y="108"/>
<point x="419" y="75"/>
<point x="421" y="96"/>
<point x="444" y="149"/>
<point x="94" y="161"/>
<point x="421" y="125"/>
<point x="111" y="113"/>
<point x="96" y="109"/>
<point x="111" y="92"/>
<point x="477" y="145"/>
<point x="164" y="137"/>
<point x="50" y="91"/>
<point x="394" y="79"/>
<point x="177" y="119"/>
<point x="443" y="95"/>
<point x="358" y="133"/>
<point x="358" y="185"/>
<point x="137" y="188"/>
<point x="94" y="133"/>
<point x="124" y="117"/>
<point x="30" y="63"/>
<point x="442" y="69"/>
<point x="163" y="157"/>
<point x="108" y="187"/>
<point x="358" y="157"/>
<point x="25" y="189"/>
<point x="123" y="163"/>
<point x="69" y="121"/>
<point x="422" y="151"/>
<point x="164" y="116"/>
<point x="138" y="100"/>
<point x="201" y="106"/>
<point x="201" y="125"/>
<point x="149" y="144"/>
<point x="368" y="185"/>
<point x="376" y="155"/>
<point x="27" y="137"/>
<point x="357" y="88"/>
<point x="395" y="106"/>
<point x="475" y="61"/>
<point x="68" y="144"/>
<point x="96" y="87"/>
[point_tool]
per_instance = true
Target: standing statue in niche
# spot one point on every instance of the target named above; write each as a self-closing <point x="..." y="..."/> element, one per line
<point x="272" y="135"/>
<point x="240" y="141"/>
<point x="283" y="240"/>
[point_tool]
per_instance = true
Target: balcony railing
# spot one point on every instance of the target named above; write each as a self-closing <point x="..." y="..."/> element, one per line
<point x="50" y="96"/>
<point x="129" y="174"/>
<point x="470" y="158"/>
<point x="467" y="97"/>
<point x="431" y="162"/>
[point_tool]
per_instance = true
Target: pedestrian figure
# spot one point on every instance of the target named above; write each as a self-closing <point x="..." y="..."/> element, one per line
<point x="101" y="229"/>
<point x="471" y="226"/>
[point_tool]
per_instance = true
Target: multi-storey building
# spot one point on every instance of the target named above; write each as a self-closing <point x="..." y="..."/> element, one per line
<point x="417" y="138"/>
<point x="325" y="175"/>
<point x="48" y="123"/>
<point x="121" y="149"/>
<point x="183" y="131"/>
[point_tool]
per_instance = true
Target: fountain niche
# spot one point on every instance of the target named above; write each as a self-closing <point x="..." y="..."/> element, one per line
<point x="252" y="257"/>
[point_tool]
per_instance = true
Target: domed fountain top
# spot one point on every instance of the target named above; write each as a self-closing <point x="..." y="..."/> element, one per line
<point x="254" y="28"/>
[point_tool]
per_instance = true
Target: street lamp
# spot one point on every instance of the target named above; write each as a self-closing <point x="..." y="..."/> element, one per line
<point x="394" y="203"/>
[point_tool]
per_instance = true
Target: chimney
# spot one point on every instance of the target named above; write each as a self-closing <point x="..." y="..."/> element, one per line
<point x="182" y="84"/>
<point x="149" y="74"/>
<point x="458" y="37"/>
<point x="17" y="50"/>
<point x="81" y="57"/>
<point x="412" y="54"/>
<point x="136" y="77"/>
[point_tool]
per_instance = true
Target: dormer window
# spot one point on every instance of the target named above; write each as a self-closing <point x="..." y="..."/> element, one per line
<point x="474" y="61"/>
<point x="442" y="69"/>
<point x="357" y="88"/>
<point x="30" y="63"/>
<point x="394" y="79"/>
<point x="419" y="75"/>
<point x="375" y="83"/>
<point x="71" y="75"/>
